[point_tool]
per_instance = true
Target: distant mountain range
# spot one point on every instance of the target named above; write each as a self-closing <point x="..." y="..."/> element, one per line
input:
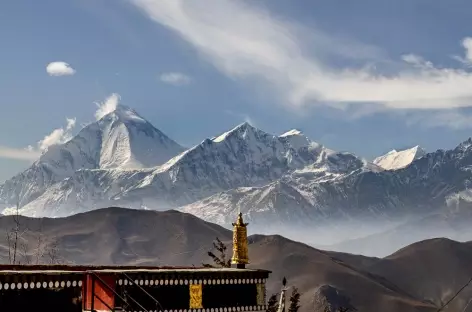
<point x="420" y="277"/>
<point x="123" y="160"/>
<point x="284" y="181"/>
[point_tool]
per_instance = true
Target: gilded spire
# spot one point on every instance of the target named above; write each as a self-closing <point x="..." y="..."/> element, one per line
<point x="240" y="249"/>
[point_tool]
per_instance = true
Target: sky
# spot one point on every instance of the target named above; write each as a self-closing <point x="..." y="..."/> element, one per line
<point x="362" y="76"/>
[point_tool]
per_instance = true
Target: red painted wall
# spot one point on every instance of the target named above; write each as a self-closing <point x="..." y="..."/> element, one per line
<point x="100" y="290"/>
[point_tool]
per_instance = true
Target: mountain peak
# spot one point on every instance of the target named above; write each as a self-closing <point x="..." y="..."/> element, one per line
<point x="242" y="130"/>
<point x="244" y="126"/>
<point x="124" y="114"/>
<point x="394" y="159"/>
<point x="291" y="133"/>
<point x="298" y="140"/>
<point x="465" y="145"/>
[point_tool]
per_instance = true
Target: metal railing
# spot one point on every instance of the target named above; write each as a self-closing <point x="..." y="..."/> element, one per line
<point x="103" y="283"/>
<point x="130" y="280"/>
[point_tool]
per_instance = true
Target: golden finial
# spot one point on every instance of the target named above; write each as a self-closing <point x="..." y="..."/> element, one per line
<point x="240" y="249"/>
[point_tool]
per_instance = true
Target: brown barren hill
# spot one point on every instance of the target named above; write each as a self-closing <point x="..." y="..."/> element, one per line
<point x="123" y="236"/>
<point x="433" y="269"/>
<point x="309" y="269"/>
<point x="417" y="278"/>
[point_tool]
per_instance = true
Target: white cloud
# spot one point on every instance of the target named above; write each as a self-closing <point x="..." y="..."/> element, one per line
<point x="19" y="153"/>
<point x="70" y="123"/>
<point x="467" y="59"/>
<point x="176" y="79"/>
<point x="59" y="69"/>
<point x="57" y="136"/>
<point x="107" y="106"/>
<point x="243" y="41"/>
<point x="467" y="44"/>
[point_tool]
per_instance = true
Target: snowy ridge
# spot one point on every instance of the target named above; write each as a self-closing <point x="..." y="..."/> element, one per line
<point x="394" y="160"/>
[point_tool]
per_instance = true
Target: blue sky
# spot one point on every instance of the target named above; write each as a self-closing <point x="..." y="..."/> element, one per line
<point x="363" y="76"/>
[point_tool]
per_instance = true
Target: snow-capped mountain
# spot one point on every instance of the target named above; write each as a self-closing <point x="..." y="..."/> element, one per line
<point x="244" y="156"/>
<point x="394" y="159"/>
<point x="427" y="185"/>
<point x="121" y="139"/>
<point x="122" y="160"/>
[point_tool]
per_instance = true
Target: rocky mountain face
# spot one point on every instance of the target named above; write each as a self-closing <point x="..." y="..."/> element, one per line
<point x="424" y="187"/>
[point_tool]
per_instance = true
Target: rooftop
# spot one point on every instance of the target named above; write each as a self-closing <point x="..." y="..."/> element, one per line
<point x="24" y="269"/>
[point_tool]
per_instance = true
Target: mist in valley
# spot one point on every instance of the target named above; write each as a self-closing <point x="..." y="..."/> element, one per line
<point x="375" y="238"/>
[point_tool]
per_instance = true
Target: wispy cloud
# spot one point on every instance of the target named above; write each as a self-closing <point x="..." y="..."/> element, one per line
<point x="19" y="153"/>
<point x="452" y="119"/>
<point x="241" y="116"/>
<point x="467" y="58"/>
<point x="175" y="79"/>
<point x="107" y="106"/>
<point x="244" y="41"/>
<point x="57" y="136"/>
<point x="59" y="69"/>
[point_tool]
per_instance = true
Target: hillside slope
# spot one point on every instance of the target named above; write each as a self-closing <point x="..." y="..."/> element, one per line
<point x="406" y="281"/>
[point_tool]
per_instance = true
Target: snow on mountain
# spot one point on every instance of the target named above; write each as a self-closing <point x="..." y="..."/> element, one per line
<point x="429" y="184"/>
<point x="121" y="139"/>
<point x="276" y="203"/>
<point x="287" y="179"/>
<point x="243" y="156"/>
<point x="131" y="142"/>
<point x="289" y="199"/>
<point x="394" y="160"/>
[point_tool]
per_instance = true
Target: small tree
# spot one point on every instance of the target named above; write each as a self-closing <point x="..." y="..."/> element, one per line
<point x="19" y="248"/>
<point x="294" y="300"/>
<point x="15" y="240"/>
<point x="272" y="304"/>
<point x="219" y="260"/>
<point x="53" y="253"/>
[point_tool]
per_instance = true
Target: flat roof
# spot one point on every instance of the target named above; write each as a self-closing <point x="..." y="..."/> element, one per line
<point x="58" y="269"/>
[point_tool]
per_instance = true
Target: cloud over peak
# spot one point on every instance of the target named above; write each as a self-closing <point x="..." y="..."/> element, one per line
<point x="57" y="136"/>
<point x="175" y="78"/>
<point x="31" y="153"/>
<point x="107" y="106"/>
<point x="59" y="69"/>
